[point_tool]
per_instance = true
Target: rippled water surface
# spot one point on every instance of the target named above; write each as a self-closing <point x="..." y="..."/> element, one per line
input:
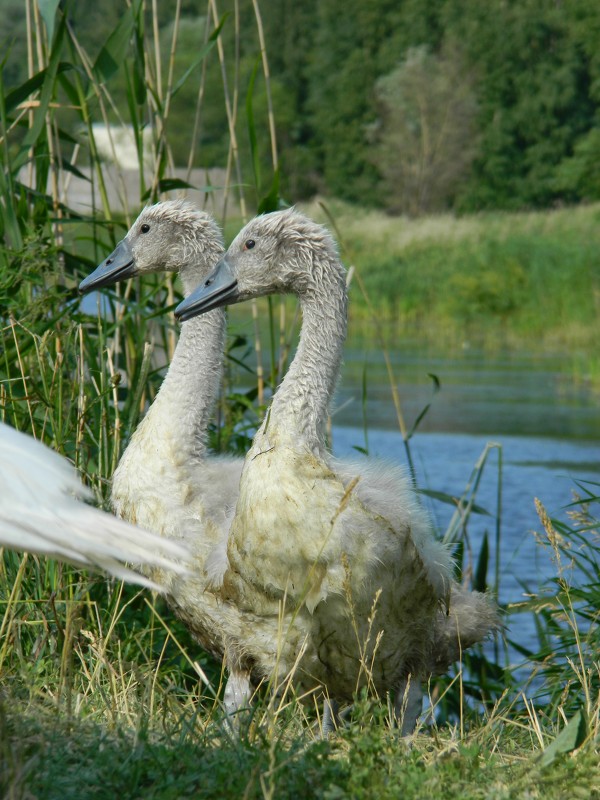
<point x="547" y="426"/>
<point x="505" y="393"/>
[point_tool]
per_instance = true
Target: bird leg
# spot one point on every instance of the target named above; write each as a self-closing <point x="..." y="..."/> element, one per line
<point x="236" y="696"/>
<point x="331" y="717"/>
<point x="408" y="704"/>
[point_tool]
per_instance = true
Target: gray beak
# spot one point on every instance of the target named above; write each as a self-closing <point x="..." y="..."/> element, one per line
<point x="119" y="265"/>
<point x="219" y="289"/>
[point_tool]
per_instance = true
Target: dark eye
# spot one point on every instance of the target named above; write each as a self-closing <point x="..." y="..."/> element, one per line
<point x="145" y="228"/>
<point x="249" y="244"/>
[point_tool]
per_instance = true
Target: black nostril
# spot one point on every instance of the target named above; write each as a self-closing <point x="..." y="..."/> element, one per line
<point x="208" y="282"/>
<point x="109" y="260"/>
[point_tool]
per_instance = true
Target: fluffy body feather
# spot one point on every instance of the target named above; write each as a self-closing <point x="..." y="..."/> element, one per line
<point x="342" y="555"/>
<point x="166" y="481"/>
<point x="43" y="511"/>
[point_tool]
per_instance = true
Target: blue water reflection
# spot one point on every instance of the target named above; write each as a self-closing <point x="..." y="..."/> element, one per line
<point x="532" y="467"/>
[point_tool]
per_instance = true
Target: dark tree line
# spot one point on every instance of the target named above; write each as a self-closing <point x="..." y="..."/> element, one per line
<point x="511" y="87"/>
<point x="413" y="105"/>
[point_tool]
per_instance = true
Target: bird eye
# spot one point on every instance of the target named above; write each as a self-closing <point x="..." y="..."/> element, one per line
<point x="249" y="244"/>
<point x="145" y="228"/>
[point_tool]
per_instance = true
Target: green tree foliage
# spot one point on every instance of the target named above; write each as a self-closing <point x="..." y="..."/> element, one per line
<point x="579" y="176"/>
<point x="13" y="42"/>
<point x="292" y="25"/>
<point x="531" y="66"/>
<point x="425" y="140"/>
<point x="212" y="141"/>
<point x="350" y="40"/>
<point x="534" y="96"/>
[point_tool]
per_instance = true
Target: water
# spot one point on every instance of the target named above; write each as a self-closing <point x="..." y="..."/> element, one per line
<point x="547" y="426"/>
<point x="506" y="393"/>
<point x="532" y="467"/>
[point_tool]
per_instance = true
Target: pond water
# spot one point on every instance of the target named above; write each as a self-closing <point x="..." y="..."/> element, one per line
<point x="502" y="393"/>
<point x="547" y="426"/>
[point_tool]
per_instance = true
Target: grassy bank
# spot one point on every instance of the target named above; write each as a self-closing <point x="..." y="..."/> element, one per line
<point x="103" y="696"/>
<point x="529" y="278"/>
<point x="102" y="688"/>
<point x="502" y="759"/>
<point x="492" y="282"/>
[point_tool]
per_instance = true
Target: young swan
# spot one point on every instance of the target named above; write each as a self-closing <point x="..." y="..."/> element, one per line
<point x="166" y="481"/>
<point x="42" y="510"/>
<point x="345" y="554"/>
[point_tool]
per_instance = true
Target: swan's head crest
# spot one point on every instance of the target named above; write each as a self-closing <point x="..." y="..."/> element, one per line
<point x="172" y="236"/>
<point x="281" y="252"/>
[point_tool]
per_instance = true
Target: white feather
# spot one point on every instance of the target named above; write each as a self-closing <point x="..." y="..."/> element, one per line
<point x="342" y="553"/>
<point x="167" y="482"/>
<point x="43" y="510"/>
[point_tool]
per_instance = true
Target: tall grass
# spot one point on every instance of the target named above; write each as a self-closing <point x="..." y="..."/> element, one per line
<point x="529" y="279"/>
<point x="99" y="683"/>
<point x="78" y="380"/>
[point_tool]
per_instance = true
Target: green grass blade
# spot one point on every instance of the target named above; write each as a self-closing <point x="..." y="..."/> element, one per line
<point x="48" y="89"/>
<point x="48" y="10"/>
<point x="114" y="50"/>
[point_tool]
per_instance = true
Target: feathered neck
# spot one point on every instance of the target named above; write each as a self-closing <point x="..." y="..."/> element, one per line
<point x="185" y="401"/>
<point x="300" y="406"/>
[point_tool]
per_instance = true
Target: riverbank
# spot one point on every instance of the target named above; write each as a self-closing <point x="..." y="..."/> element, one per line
<point x="531" y="278"/>
<point x="104" y="690"/>
<point x="494" y="283"/>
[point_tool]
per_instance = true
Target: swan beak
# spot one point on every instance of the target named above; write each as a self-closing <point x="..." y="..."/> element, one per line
<point x="219" y="289"/>
<point x="119" y="265"/>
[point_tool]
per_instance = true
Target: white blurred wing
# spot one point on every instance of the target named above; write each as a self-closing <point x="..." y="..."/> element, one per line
<point x="42" y="510"/>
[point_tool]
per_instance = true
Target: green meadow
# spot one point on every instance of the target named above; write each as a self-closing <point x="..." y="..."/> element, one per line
<point x="496" y="281"/>
<point x="530" y="279"/>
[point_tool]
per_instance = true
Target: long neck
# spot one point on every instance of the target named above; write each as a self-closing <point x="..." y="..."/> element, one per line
<point x="301" y="404"/>
<point x="186" y="399"/>
<point x="187" y="396"/>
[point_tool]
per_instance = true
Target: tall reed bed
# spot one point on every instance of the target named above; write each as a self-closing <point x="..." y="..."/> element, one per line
<point x="76" y="647"/>
<point x="79" y="378"/>
<point x="519" y="280"/>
